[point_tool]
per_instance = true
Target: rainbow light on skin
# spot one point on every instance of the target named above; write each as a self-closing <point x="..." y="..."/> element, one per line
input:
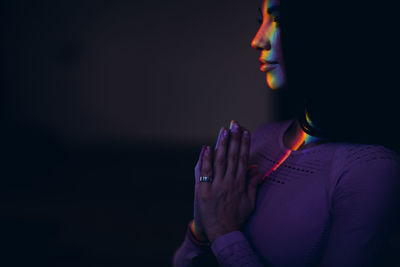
<point x="285" y="155"/>
<point x="274" y="76"/>
<point x="302" y="138"/>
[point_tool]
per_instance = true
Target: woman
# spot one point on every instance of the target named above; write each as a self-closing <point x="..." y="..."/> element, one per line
<point x="318" y="190"/>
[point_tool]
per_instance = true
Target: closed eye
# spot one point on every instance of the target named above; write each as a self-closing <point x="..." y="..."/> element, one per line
<point x="274" y="12"/>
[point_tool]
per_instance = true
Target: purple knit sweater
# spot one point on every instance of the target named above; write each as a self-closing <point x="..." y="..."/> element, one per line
<point x="332" y="204"/>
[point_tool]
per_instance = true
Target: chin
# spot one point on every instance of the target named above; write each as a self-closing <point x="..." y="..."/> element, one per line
<point x="274" y="81"/>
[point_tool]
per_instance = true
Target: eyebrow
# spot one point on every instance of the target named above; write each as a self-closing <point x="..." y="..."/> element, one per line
<point x="272" y="9"/>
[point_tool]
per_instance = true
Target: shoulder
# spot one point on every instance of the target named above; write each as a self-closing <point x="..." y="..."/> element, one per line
<point x="354" y="155"/>
<point x="373" y="166"/>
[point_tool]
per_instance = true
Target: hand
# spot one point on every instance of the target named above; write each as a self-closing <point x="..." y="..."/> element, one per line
<point x="225" y="204"/>
<point x="196" y="216"/>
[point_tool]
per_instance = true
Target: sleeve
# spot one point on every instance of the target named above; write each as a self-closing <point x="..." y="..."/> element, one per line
<point x="233" y="249"/>
<point x="364" y="204"/>
<point x="190" y="254"/>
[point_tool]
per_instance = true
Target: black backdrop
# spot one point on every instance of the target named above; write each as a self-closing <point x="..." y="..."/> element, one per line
<point x="105" y="105"/>
<point x="97" y="158"/>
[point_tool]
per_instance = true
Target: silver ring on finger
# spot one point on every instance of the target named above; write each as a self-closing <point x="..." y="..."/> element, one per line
<point x="205" y="179"/>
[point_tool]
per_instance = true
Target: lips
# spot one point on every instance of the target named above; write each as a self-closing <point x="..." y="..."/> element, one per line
<point x="269" y="62"/>
<point x="267" y="65"/>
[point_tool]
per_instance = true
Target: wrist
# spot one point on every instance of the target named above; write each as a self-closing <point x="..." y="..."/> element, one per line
<point x="213" y="235"/>
<point x="199" y="240"/>
<point x="198" y="234"/>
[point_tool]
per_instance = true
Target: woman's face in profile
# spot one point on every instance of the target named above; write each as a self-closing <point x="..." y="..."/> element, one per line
<point x="268" y="41"/>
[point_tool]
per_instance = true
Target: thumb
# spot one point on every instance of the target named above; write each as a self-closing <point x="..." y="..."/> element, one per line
<point x="254" y="179"/>
<point x="198" y="165"/>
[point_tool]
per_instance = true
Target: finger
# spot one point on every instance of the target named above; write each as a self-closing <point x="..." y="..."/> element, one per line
<point x="233" y="150"/>
<point x="220" y="155"/>
<point x="240" y="127"/>
<point x="197" y="167"/>
<point x="253" y="184"/>
<point x="219" y="138"/>
<point x="206" y="166"/>
<point x="243" y="160"/>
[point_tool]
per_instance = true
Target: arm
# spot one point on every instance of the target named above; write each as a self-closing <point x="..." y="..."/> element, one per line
<point x="231" y="249"/>
<point x="364" y="204"/>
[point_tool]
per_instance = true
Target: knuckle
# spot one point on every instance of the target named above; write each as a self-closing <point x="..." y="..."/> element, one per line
<point x="206" y="169"/>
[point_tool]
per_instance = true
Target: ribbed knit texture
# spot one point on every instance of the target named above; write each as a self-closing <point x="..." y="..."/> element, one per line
<point x="332" y="204"/>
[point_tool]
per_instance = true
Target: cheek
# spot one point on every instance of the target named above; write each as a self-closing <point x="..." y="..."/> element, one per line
<point x="277" y="45"/>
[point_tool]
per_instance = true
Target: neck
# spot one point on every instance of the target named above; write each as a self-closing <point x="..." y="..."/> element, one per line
<point x="295" y="138"/>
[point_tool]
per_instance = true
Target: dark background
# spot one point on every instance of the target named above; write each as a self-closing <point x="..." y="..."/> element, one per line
<point x="105" y="105"/>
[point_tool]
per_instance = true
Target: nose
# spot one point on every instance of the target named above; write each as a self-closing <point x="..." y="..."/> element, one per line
<point x="261" y="41"/>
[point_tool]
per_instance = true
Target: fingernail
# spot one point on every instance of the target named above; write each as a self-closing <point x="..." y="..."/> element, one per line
<point x="225" y="133"/>
<point x="234" y="124"/>
<point x="231" y="124"/>
<point x="235" y="127"/>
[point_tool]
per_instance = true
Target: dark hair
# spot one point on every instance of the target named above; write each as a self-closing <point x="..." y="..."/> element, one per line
<point x="339" y="63"/>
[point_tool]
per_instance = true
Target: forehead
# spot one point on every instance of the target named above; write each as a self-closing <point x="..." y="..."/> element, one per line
<point x="269" y="3"/>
